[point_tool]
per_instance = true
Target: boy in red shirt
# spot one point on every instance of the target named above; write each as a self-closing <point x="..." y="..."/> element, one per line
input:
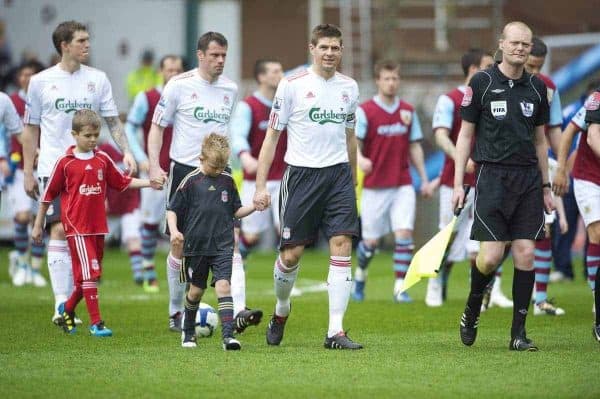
<point x="81" y="178"/>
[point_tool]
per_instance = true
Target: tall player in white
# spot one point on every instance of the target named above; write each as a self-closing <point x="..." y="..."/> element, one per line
<point x="196" y="103"/>
<point x="53" y="97"/>
<point x="317" y="105"/>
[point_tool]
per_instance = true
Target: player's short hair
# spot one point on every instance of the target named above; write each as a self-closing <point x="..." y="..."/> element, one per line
<point x="385" y="65"/>
<point x="325" y="30"/>
<point x="64" y="33"/>
<point x="472" y="57"/>
<point x="538" y="47"/>
<point x="260" y="66"/>
<point x="208" y="37"/>
<point x="85" y="117"/>
<point x="216" y="148"/>
<point x="169" y="57"/>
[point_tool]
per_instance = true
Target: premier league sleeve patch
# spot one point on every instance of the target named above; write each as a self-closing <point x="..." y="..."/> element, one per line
<point x="526" y="109"/>
<point x="467" y="97"/>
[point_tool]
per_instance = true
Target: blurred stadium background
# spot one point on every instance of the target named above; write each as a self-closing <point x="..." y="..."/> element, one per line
<point x="426" y="36"/>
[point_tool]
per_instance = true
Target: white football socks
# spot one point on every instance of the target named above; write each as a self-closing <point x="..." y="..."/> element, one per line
<point x="60" y="270"/>
<point x="284" y="278"/>
<point x="176" y="288"/>
<point x="339" y="285"/>
<point x="238" y="284"/>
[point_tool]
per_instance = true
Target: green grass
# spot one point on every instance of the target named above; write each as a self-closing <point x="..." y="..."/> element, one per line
<point x="410" y="350"/>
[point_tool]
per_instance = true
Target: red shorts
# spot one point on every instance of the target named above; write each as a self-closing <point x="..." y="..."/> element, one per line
<point x="86" y="257"/>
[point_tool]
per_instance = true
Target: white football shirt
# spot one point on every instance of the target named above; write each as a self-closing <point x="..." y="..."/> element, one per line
<point x="195" y="108"/>
<point x="316" y="113"/>
<point x="52" y="98"/>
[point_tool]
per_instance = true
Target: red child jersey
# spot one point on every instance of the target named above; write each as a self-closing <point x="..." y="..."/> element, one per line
<point x="256" y="136"/>
<point x="447" y="176"/>
<point x="82" y="184"/>
<point x="119" y="202"/>
<point x="153" y="96"/>
<point x="386" y="144"/>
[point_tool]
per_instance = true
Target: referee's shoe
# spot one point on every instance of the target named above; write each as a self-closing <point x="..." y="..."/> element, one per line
<point x="521" y="343"/>
<point x="469" y="322"/>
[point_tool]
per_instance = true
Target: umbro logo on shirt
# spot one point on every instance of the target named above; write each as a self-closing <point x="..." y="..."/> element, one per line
<point x="498" y="91"/>
<point x="211" y="188"/>
<point x="88" y="167"/>
<point x="310" y="94"/>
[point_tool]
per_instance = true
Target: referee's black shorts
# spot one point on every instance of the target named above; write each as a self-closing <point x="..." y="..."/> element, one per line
<point x="509" y="203"/>
<point x="311" y="198"/>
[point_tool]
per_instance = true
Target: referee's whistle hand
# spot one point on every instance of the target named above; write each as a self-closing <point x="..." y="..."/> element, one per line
<point x="458" y="198"/>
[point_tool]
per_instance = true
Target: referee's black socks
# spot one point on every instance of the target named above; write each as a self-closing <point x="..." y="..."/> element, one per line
<point x="521" y="291"/>
<point x="478" y="283"/>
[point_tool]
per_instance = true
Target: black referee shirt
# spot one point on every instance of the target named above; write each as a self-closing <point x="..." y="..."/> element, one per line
<point x="205" y="207"/>
<point x="505" y="112"/>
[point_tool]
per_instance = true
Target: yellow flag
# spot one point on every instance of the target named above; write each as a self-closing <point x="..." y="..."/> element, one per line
<point x="427" y="261"/>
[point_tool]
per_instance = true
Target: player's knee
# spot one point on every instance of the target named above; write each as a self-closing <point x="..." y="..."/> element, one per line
<point x="290" y="256"/>
<point x="222" y="288"/>
<point x="371" y="244"/>
<point x="487" y="263"/>
<point x="523" y="256"/>
<point x="57" y="232"/>
<point x="251" y="239"/>
<point x="22" y="217"/>
<point x="340" y="245"/>
<point x="195" y="293"/>
<point x="593" y="231"/>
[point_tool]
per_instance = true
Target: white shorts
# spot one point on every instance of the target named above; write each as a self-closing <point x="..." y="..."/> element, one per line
<point x="386" y="210"/>
<point x="18" y="198"/>
<point x="258" y="222"/>
<point x="127" y="225"/>
<point x="587" y="195"/>
<point x="153" y="205"/>
<point x="462" y="244"/>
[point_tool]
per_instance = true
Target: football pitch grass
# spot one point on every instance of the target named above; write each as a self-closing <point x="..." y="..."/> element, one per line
<point x="410" y="350"/>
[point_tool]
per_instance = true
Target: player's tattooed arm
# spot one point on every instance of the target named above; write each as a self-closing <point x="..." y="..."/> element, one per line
<point x="118" y="134"/>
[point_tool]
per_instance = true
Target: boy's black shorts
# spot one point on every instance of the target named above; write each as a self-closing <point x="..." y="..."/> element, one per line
<point x="194" y="269"/>
<point x="509" y="203"/>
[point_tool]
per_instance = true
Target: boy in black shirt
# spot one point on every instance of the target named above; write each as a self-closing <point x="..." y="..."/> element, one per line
<point x="201" y="216"/>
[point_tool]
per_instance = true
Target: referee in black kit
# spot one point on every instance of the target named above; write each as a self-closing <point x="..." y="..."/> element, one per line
<point x="505" y="109"/>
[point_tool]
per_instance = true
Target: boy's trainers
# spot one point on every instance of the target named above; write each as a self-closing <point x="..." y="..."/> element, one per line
<point x="188" y="340"/>
<point x="231" y="344"/>
<point x="99" y="330"/>
<point x="66" y="320"/>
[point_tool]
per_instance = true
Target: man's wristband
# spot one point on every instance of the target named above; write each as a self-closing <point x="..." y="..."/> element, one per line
<point x="547" y="185"/>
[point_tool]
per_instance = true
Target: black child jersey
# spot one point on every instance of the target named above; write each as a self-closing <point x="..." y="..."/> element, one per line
<point x="205" y="207"/>
<point x="505" y="112"/>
